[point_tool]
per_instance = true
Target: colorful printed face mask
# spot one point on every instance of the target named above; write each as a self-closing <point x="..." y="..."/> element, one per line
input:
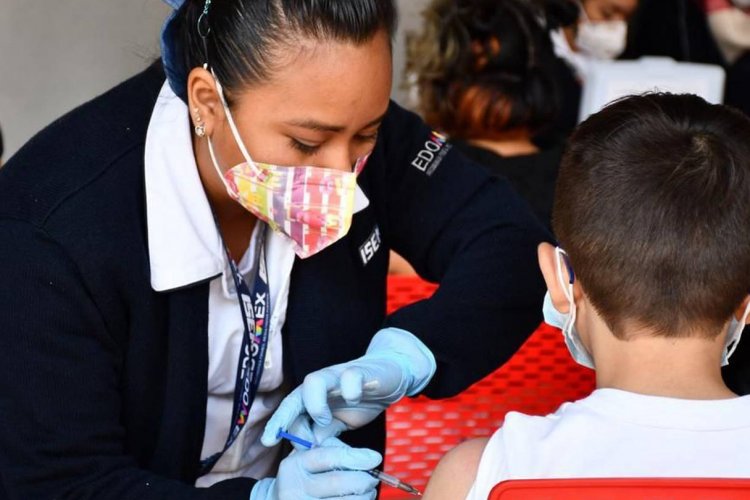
<point x="312" y="206"/>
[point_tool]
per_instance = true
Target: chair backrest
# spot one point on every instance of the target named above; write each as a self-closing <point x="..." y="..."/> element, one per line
<point x="623" y="489"/>
<point x="537" y="380"/>
<point x="404" y="290"/>
<point x="608" y="80"/>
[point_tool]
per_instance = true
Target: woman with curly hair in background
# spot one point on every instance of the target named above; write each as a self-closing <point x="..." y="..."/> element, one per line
<point x="485" y="74"/>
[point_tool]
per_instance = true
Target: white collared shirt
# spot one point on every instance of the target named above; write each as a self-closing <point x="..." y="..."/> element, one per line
<point x="185" y="248"/>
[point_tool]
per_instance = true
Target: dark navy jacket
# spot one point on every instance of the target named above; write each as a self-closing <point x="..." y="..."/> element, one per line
<point x="103" y="381"/>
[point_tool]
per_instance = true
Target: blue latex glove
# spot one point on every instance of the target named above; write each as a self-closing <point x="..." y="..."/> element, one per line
<point x="332" y="469"/>
<point x="350" y="395"/>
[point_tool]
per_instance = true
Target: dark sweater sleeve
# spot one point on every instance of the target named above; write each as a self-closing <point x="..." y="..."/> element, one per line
<point x="60" y="374"/>
<point x="470" y="232"/>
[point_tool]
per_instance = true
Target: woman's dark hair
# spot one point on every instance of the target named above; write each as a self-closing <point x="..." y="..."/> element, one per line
<point x="244" y="36"/>
<point x="485" y="67"/>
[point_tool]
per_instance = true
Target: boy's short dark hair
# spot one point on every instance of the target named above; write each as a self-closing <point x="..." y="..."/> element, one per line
<point x="653" y="208"/>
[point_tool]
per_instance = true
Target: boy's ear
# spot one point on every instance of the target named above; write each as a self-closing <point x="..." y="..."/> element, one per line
<point x="548" y="266"/>
<point x="740" y="311"/>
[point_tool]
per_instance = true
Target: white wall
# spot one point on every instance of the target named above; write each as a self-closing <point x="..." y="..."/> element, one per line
<point x="56" y="54"/>
<point x="410" y="19"/>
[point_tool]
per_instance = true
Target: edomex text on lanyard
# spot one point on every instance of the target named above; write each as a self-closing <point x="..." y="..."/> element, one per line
<point x="255" y="308"/>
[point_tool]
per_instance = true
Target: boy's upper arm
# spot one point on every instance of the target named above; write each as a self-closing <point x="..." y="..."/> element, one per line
<point x="456" y="471"/>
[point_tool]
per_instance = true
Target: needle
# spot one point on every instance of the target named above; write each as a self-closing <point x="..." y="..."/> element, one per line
<point x="394" y="481"/>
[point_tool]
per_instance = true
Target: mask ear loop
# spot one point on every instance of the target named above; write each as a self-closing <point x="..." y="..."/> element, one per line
<point x="204" y="29"/>
<point x="560" y="257"/>
<point x="233" y="126"/>
<point x="741" y="327"/>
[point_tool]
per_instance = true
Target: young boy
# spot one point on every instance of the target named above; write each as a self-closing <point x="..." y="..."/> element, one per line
<point x="652" y="210"/>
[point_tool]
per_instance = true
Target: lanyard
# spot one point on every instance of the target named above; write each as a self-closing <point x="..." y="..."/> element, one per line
<point x="256" y="313"/>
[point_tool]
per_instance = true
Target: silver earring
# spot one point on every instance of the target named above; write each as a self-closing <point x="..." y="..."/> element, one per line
<point x="200" y="129"/>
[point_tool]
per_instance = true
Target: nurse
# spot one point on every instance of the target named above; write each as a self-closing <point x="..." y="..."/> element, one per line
<point x="186" y="250"/>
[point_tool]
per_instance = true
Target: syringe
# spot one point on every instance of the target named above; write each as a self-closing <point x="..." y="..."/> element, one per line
<point x="377" y="474"/>
<point x="394" y="481"/>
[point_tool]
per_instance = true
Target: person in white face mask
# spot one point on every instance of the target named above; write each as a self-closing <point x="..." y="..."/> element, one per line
<point x="729" y="22"/>
<point x="651" y="291"/>
<point x="700" y="31"/>
<point x="600" y="33"/>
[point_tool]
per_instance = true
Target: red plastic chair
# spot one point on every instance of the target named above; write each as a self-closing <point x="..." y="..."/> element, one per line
<point x="537" y="380"/>
<point x="622" y="489"/>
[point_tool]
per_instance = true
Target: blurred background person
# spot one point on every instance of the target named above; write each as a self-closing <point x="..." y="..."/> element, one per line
<point x="599" y="33"/>
<point x="591" y="30"/>
<point x="730" y="25"/>
<point x="700" y="31"/>
<point x="484" y="71"/>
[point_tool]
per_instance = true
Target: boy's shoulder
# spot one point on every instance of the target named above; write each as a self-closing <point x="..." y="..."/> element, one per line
<point x="609" y="434"/>
<point x="469" y="470"/>
<point x="455" y="473"/>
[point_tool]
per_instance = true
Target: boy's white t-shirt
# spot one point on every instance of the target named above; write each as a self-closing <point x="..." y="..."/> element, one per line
<point x="614" y="433"/>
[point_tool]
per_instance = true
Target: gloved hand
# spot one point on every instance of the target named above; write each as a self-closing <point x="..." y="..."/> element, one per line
<point x="331" y="469"/>
<point x="350" y="395"/>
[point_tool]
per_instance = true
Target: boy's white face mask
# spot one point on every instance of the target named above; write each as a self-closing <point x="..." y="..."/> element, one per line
<point x="566" y="322"/>
<point x="733" y="336"/>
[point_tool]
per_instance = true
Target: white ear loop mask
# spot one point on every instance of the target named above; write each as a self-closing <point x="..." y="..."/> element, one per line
<point x="734" y="333"/>
<point x="567" y="322"/>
